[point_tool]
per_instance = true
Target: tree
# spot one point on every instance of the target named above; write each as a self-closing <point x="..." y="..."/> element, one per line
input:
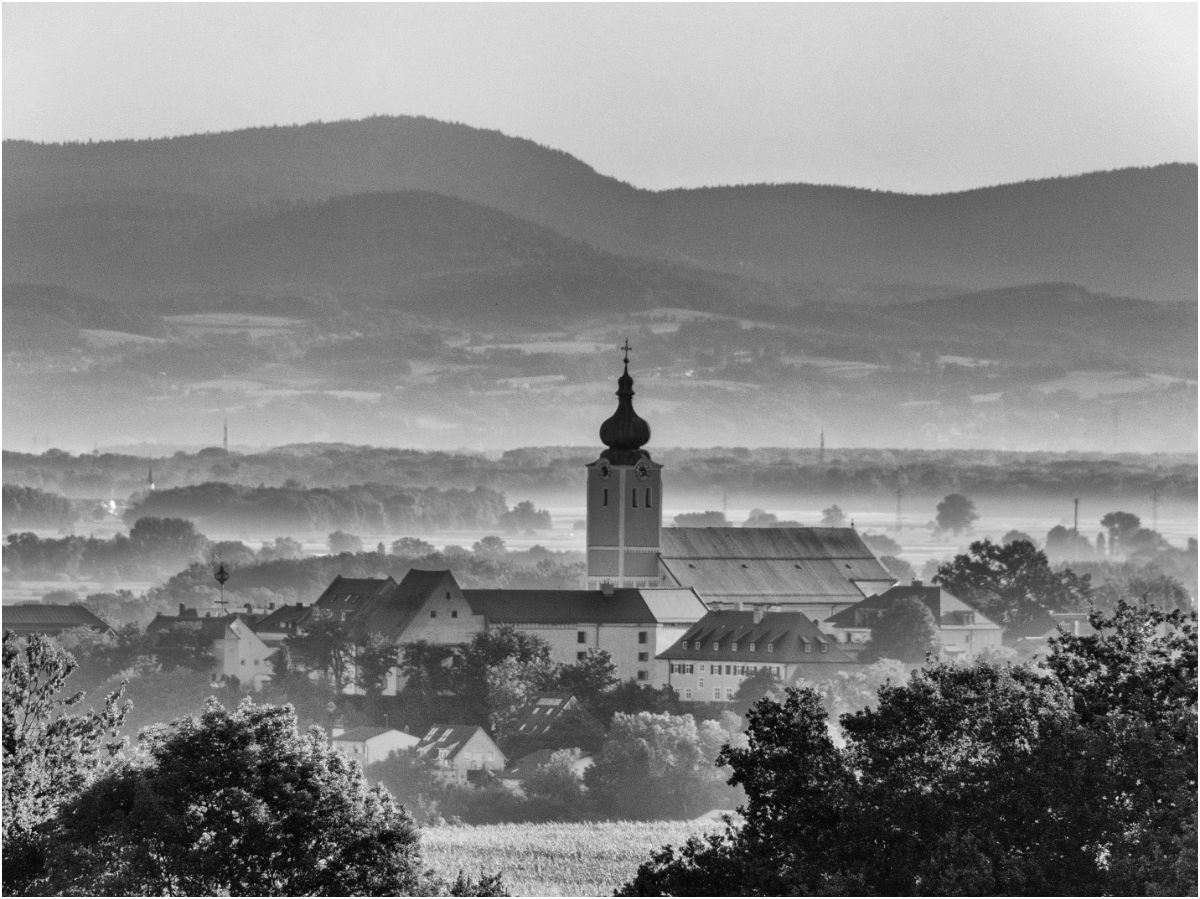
<point x="1063" y="544"/>
<point x="881" y="544"/>
<point x="1121" y="526"/>
<point x="282" y="548"/>
<point x="490" y="547"/>
<point x="373" y="662"/>
<point x="833" y="517"/>
<point x="760" y="518"/>
<point x="323" y="645"/>
<point x="701" y="520"/>
<point x="1012" y="584"/>
<point x="763" y="682"/>
<point x="557" y="780"/>
<point x="525" y="517"/>
<point x="236" y="803"/>
<point x="589" y="678"/>
<point x="1014" y="535"/>
<point x="660" y="766"/>
<point x="49" y="755"/>
<point x="972" y="780"/>
<point x="341" y="542"/>
<point x="905" y="631"/>
<point x="412" y="548"/>
<point x="956" y="513"/>
<point x="502" y="670"/>
<point x="167" y="541"/>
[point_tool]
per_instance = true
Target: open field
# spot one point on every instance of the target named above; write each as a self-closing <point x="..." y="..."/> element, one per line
<point x="554" y="859"/>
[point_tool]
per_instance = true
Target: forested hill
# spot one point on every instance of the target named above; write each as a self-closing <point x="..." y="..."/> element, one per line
<point x="1130" y="232"/>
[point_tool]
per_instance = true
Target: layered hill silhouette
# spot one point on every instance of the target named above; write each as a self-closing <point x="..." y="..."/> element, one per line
<point x="1127" y="233"/>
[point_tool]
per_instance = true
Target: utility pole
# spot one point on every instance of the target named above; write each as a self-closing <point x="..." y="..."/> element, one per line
<point x="1076" y="515"/>
<point x="225" y="440"/>
<point x="1154" y="498"/>
<point x="821" y="451"/>
<point x="899" y="497"/>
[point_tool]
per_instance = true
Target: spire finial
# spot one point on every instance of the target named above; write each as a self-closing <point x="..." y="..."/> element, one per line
<point x="626" y="347"/>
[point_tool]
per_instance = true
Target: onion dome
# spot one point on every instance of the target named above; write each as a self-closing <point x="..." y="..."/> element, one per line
<point x="625" y="432"/>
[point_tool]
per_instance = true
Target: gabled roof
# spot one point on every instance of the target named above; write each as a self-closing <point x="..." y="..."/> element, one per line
<point x="787" y="632"/>
<point x="780" y="564"/>
<point x="211" y="627"/>
<point x="282" y="619"/>
<point x="389" y="612"/>
<point x="448" y="737"/>
<point x="549" y="711"/>
<point x="941" y="603"/>
<point x="363" y="734"/>
<point x="1040" y="625"/>
<point x="44" y="618"/>
<point x="527" y="764"/>
<point x="624" y="606"/>
<point x="349" y="593"/>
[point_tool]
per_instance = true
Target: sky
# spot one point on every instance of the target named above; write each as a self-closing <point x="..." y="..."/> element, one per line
<point x="912" y="97"/>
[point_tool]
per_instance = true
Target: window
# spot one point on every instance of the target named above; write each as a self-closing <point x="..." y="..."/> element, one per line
<point x="807" y="646"/>
<point x="716" y="692"/>
<point x="729" y="669"/>
<point x="717" y="646"/>
<point x="643" y="675"/>
<point x="697" y="644"/>
<point x="634" y="497"/>
<point x="447" y="594"/>
<point x="433" y="613"/>
<point x="581" y="636"/>
<point x="641" y="636"/>
<point x="770" y="647"/>
<point x="643" y="657"/>
<point x="700" y="682"/>
<point x="606" y="496"/>
<point x="733" y="647"/>
<point x="454" y="613"/>
<point x="649" y="501"/>
<point x="580" y="656"/>
<point x="753" y="647"/>
<point x="824" y="646"/>
<point x="687" y="695"/>
<point x="729" y="692"/>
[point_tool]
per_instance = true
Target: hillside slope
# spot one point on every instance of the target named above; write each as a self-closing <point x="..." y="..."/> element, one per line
<point x="1129" y="232"/>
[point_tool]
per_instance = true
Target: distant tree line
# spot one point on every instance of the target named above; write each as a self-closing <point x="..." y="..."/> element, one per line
<point x="29" y="507"/>
<point x="845" y="473"/>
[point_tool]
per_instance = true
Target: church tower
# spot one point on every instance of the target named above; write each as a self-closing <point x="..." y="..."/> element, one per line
<point x="624" y="500"/>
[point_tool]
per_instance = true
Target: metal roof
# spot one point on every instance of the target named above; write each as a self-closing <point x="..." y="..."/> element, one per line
<point x="44" y="618"/>
<point x="773" y="564"/>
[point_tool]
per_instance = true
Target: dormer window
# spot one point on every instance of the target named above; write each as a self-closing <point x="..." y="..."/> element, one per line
<point x="770" y="647"/>
<point x="824" y="646"/>
<point x="716" y="646"/>
<point x="753" y="647"/>
<point x="807" y="646"/>
<point x="733" y="647"/>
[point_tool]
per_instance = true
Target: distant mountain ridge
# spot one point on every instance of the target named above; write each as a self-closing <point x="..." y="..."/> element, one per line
<point x="1130" y="232"/>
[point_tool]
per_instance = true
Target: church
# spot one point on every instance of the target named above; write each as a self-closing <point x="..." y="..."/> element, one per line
<point x="817" y="571"/>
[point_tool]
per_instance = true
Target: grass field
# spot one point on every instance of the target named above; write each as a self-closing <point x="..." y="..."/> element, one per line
<point x="554" y="859"/>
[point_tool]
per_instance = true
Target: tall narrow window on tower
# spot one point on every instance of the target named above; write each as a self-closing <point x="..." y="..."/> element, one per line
<point x="634" y="491"/>
<point x="649" y="501"/>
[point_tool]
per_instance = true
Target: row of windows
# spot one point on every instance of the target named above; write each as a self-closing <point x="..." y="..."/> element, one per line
<point x="733" y="647"/>
<point x="633" y="497"/>
<point x="581" y="637"/>
<point x="433" y="613"/>
<point x="716" y="694"/>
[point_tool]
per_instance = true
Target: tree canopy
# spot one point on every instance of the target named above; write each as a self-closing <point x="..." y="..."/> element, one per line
<point x="1079" y="779"/>
<point x="956" y="513"/>
<point x="235" y="803"/>
<point x="905" y="631"/>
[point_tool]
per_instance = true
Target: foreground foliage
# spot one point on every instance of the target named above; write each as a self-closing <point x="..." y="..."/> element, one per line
<point x="988" y="780"/>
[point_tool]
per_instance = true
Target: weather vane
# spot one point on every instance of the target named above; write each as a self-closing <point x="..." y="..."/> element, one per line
<point x="222" y="576"/>
<point x="626" y="347"/>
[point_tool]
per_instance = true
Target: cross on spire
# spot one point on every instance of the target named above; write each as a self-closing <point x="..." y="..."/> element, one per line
<point x="626" y="347"/>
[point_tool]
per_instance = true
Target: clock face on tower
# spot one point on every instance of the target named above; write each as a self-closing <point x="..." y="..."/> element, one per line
<point x="642" y="471"/>
<point x="605" y="471"/>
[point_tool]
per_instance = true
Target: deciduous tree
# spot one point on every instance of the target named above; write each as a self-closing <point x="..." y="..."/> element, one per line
<point x="905" y="631"/>
<point x="956" y="513"/>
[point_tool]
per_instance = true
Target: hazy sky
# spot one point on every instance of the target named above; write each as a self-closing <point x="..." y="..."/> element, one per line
<point x="909" y="97"/>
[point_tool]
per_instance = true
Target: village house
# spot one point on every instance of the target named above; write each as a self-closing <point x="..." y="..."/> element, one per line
<point x="368" y="745"/>
<point x="457" y="750"/>
<point x="963" y="631"/>
<point x="514" y="777"/>
<point x="710" y="661"/>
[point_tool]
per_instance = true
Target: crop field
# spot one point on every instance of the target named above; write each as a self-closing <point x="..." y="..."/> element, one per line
<point x="590" y="859"/>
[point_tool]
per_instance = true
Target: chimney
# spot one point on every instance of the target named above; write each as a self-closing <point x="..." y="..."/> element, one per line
<point x="740" y="606"/>
<point x="917" y="582"/>
<point x="606" y="588"/>
<point x="181" y="608"/>
<point x="758" y="613"/>
<point x="248" y="608"/>
<point x="270" y="607"/>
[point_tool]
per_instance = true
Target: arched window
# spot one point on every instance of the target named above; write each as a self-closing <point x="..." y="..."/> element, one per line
<point x="649" y="499"/>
